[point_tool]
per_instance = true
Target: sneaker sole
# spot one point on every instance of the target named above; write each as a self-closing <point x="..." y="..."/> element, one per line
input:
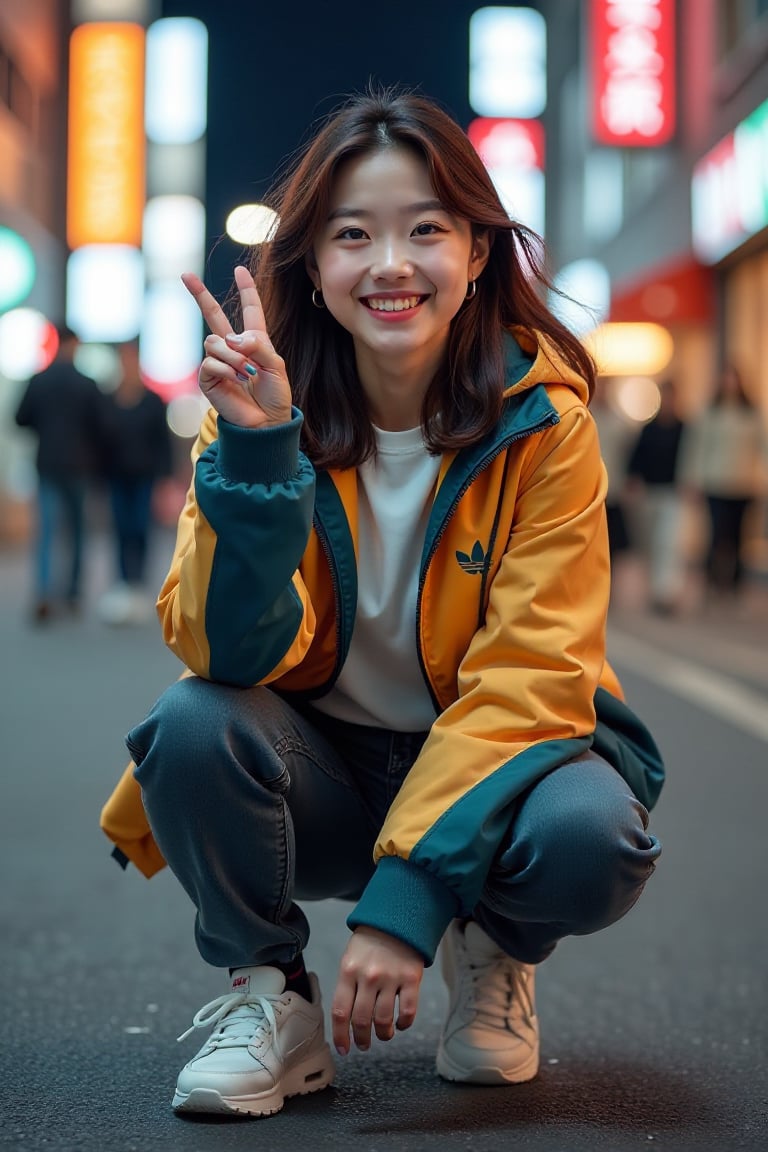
<point x="486" y="1073"/>
<point x="310" y="1076"/>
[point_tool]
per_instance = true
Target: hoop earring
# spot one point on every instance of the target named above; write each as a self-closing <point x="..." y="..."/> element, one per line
<point x="317" y="298"/>
<point x="471" y="290"/>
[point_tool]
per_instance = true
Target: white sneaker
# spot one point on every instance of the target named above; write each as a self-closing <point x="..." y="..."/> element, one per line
<point x="268" y="1044"/>
<point x="125" y="604"/>
<point x="491" y="1035"/>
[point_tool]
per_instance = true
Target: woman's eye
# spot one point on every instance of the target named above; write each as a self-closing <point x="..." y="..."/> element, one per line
<point x="428" y="228"/>
<point x="352" y="233"/>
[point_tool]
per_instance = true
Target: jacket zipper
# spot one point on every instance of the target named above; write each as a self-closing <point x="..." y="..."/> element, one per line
<point x="325" y="544"/>
<point x="467" y="483"/>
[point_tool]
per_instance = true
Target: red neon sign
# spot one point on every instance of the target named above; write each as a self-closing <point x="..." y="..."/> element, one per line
<point x="633" y="72"/>
<point x="505" y="143"/>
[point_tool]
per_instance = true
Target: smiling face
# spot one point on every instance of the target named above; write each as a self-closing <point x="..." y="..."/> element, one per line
<point x="392" y="263"/>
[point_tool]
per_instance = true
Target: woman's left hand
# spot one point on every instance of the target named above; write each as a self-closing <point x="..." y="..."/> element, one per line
<point x="375" y="971"/>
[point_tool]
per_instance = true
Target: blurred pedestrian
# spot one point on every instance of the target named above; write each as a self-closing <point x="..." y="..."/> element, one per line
<point x="652" y="465"/>
<point x="61" y="405"/>
<point x="390" y="586"/>
<point x="137" y="443"/>
<point x="616" y="434"/>
<point x="723" y="463"/>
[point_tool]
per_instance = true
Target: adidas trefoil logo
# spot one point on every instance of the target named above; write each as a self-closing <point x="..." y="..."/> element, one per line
<point x="475" y="563"/>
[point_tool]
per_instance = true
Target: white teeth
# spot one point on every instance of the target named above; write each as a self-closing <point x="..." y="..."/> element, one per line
<point x="389" y="305"/>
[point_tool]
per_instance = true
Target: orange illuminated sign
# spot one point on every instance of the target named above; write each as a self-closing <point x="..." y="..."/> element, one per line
<point x="106" y="150"/>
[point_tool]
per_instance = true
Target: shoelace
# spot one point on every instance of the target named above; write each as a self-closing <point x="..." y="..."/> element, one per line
<point x="238" y="1032"/>
<point x="499" y="989"/>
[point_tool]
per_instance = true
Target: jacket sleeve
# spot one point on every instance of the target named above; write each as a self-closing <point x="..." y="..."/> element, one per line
<point x="525" y="695"/>
<point x="233" y="607"/>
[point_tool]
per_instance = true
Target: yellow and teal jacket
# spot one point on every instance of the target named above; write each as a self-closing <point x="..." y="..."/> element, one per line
<point x="510" y="628"/>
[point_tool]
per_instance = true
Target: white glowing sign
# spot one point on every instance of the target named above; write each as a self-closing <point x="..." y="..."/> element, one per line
<point x="105" y="292"/>
<point x="176" y="80"/>
<point x="507" y="62"/>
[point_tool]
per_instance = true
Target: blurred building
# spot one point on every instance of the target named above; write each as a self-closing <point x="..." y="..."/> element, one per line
<point x="101" y="184"/>
<point x="33" y="134"/>
<point x="657" y="170"/>
<point x="702" y="275"/>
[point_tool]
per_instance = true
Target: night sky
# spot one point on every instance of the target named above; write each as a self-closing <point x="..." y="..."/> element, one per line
<point x="276" y="68"/>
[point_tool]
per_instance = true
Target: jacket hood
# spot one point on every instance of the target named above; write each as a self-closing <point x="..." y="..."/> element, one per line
<point x="531" y="359"/>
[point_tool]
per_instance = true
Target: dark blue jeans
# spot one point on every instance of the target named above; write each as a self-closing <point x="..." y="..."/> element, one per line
<point x="131" y="500"/>
<point x="60" y="536"/>
<point x="724" y="563"/>
<point x="256" y="806"/>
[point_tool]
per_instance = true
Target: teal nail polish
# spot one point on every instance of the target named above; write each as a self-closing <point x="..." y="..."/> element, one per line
<point x="250" y="369"/>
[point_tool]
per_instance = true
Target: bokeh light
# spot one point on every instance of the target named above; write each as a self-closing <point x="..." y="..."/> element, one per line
<point x="176" y="101"/>
<point x="630" y="349"/>
<point x="28" y="343"/>
<point x="173" y="236"/>
<point x="251" y="223"/>
<point x="101" y="362"/>
<point x="586" y="299"/>
<point x="171" y="336"/>
<point x="105" y="292"/>
<point x="637" y="397"/>
<point x="185" y="414"/>
<point x="17" y="261"/>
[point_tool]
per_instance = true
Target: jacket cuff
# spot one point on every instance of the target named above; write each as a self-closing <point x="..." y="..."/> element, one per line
<point x="406" y="902"/>
<point x="259" y="455"/>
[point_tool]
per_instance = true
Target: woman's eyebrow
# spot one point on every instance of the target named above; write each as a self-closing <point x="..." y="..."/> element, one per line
<point x="407" y="209"/>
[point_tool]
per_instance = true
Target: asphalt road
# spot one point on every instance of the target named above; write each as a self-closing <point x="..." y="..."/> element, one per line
<point x="654" y="1032"/>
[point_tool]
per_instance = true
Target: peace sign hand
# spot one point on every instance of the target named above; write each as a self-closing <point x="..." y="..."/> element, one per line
<point x="242" y="376"/>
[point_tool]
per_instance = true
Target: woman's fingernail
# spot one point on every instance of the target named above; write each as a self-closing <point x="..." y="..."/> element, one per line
<point x="250" y="369"/>
<point x="242" y="378"/>
<point x="234" y="338"/>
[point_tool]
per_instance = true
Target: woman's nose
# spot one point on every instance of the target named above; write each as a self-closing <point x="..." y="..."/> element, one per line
<point x="390" y="260"/>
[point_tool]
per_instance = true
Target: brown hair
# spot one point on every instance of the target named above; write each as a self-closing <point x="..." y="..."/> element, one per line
<point x="464" y="400"/>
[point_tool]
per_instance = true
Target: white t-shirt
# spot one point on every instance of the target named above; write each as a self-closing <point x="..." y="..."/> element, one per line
<point x="381" y="682"/>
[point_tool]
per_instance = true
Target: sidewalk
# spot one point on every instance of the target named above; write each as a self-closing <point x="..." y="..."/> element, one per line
<point x="730" y="637"/>
<point x="16" y="572"/>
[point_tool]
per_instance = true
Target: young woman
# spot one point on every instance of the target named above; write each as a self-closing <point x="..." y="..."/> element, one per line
<point x="390" y="589"/>
<point x="724" y="464"/>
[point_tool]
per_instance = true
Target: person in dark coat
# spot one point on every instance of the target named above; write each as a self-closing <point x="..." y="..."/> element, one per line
<point x="138" y="453"/>
<point x="61" y="405"/>
<point x="653" y="465"/>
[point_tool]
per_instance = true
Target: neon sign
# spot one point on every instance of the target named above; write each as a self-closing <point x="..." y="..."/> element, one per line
<point x="513" y="153"/>
<point x="729" y="191"/>
<point x="633" y="72"/>
<point x="105" y="178"/>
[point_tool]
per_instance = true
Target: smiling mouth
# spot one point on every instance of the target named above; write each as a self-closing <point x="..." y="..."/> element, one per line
<point x="390" y="304"/>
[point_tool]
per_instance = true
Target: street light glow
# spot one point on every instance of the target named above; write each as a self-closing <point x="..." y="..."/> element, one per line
<point x="251" y="223"/>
